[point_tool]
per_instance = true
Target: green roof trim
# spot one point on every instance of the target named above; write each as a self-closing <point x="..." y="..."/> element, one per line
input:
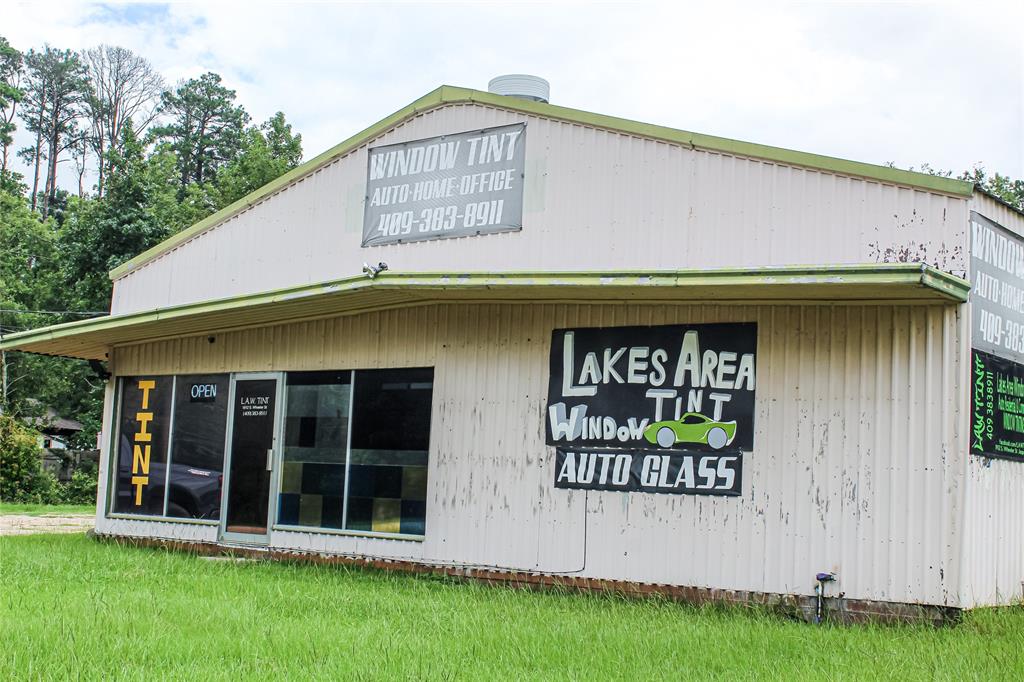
<point x="932" y="286"/>
<point x="447" y="95"/>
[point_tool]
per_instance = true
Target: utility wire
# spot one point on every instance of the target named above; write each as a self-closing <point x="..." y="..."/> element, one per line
<point x="56" y="312"/>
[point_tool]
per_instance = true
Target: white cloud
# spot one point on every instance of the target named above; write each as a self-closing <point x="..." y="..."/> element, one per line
<point x="909" y="83"/>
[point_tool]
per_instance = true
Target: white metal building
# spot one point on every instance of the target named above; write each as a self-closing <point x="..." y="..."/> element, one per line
<point x="275" y="386"/>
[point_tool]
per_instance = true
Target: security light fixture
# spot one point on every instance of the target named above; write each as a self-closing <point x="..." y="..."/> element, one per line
<point x="372" y="271"/>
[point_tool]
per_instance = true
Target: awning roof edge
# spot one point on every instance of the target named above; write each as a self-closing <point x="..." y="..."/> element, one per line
<point x="884" y="282"/>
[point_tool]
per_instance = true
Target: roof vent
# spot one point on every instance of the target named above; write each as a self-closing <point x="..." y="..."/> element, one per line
<point x="521" y="85"/>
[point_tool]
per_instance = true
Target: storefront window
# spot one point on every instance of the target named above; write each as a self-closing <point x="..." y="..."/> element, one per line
<point x="194" y="436"/>
<point x="353" y="455"/>
<point x="371" y="427"/>
<point x="390" y="437"/>
<point x="143" y="428"/>
<point x="315" y="447"/>
<point x="197" y="446"/>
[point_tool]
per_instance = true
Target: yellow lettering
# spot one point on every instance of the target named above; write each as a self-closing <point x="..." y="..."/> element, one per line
<point x="139" y="482"/>
<point x="143" y="418"/>
<point x="140" y="459"/>
<point x="146" y="387"/>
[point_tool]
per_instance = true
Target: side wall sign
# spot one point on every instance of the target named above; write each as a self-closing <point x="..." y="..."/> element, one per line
<point x="450" y="186"/>
<point x="666" y="387"/>
<point x="997" y="340"/>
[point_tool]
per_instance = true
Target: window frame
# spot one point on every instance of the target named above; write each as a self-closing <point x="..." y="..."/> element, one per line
<point x="279" y="462"/>
<point x="112" y="457"/>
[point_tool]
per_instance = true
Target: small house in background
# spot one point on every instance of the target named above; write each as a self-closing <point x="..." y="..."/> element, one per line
<point x="55" y="433"/>
<point x="501" y="338"/>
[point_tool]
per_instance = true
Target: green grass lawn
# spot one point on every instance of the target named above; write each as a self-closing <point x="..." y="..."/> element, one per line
<point x="46" y="509"/>
<point x="71" y="607"/>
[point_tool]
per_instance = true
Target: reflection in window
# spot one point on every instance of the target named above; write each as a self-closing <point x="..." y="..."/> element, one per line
<point x="315" y="445"/>
<point x="387" y="488"/>
<point x="197" y="446"/>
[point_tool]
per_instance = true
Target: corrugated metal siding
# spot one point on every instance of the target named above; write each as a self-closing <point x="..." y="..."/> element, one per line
<point x="594" y="200"/>
<point x="194" y="532"/>
<point x="855" y="467"/>
<point x="993" y="571"/>
<point x="993" y="557"/>
<point x="106" y="434"/>
<point x="997" y="212"/>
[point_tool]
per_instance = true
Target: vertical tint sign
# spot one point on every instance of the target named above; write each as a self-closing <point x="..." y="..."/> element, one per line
<point x="142" y="444"/>
<point x="449" y="186"/>
<point x="997" y="340"/>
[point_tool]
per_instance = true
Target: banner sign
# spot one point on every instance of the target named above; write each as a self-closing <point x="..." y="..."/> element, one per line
<point x="449" y="186"/>
<point x="675" y="472"/>
<point x="673" y="386"/>
<point x="997" y="340"/>
<point x="997" y="290"/>
<point x="997" y="406"/>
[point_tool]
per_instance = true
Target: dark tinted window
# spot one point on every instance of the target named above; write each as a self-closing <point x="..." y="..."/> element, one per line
<point x="143" y="426"/>
<point x="197" y="446"/>
<point x="390" y="439"/>
<point x="315" y="449"/>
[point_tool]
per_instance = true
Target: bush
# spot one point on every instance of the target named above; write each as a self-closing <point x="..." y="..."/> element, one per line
<point x="81" y="489"/>
<point x="22" y="478"/>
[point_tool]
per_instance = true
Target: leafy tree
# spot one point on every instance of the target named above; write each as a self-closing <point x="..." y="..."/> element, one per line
<point x="1009" y="190"/>
<point x="55" y="90"/>
<point x="28" y="273"/>
<point x="103" y="233"/>
<point x="163" y="181"/>
<point x="267" y="153"/>
<point x="21" y="476"/>
<point x="284" y="146"/>
<point x="206" y="128"/>
<point x="123" y="87"/>
<point x="1005" y="188"/>
<point x="28" y="281"/>
<point x="11" y="62"/>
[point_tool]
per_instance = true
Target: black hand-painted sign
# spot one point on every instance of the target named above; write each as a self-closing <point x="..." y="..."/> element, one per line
<point x="997" y="406"/>
<point x="673" y="386"/>
<point x="675" y="472"/>
<point x="450" y="186"/>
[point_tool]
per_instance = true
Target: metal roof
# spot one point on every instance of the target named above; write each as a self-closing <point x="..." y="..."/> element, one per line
<point x="449" y="95"/>
<point x="885" y="282"/>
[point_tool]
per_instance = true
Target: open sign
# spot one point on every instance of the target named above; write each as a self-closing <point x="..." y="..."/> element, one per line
<point x="203" y="393"/>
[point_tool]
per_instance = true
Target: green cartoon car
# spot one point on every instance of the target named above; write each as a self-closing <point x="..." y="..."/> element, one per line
<point x="692" y="427"/>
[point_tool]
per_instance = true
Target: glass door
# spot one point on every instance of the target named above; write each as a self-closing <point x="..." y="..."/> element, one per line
<point x="252" y="441"/>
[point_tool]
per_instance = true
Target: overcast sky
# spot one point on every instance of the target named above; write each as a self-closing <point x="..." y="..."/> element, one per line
<point x="910" y="83"/>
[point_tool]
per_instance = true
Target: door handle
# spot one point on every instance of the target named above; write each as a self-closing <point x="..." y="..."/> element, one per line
<point x="270" y="459"/>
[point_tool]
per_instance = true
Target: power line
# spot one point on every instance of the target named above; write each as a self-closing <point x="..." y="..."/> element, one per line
<point x="85" y="313"/>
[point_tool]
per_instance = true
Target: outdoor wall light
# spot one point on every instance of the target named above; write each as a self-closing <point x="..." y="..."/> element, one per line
<point x="372" y="271"/>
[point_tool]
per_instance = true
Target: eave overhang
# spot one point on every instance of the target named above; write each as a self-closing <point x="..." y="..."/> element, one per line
<point x="897" y="283"/>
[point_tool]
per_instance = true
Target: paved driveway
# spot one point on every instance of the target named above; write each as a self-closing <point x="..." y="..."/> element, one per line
<point x="18" y="524"/>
